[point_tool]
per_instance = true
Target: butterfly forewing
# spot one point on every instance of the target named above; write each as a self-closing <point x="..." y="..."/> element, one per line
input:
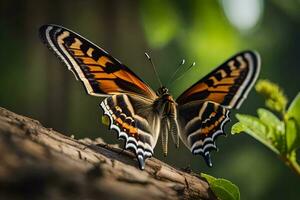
<point x="101" y="74"/>
<point x="228" y="84"/>
<point x="204" y="107"/>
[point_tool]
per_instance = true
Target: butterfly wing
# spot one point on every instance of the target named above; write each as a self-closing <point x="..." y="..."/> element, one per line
<point x="227" y="85"/>
<point x="101" y="74"/>
<point x="203" y="109"/>
<point x="129" y="100"/>
<point x="135" y="121"/>
<point x="200" y="123"/>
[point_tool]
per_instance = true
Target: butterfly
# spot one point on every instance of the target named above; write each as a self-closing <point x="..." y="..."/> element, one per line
<point x="139" y="114"/>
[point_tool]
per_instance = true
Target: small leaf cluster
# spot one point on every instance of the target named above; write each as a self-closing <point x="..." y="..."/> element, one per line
<point x="274" y="96"/>
<point x="277" y="127"/>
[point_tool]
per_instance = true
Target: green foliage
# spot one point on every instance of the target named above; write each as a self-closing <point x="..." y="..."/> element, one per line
<point x="292" y="139"/>
<point x="161" y="27"/>
<point x="281" y="135"/>
<point x="294" y="110"/>
<point x="222" y="188"/>
<point x="292" y="119"/>
<point x="256" y="128"/>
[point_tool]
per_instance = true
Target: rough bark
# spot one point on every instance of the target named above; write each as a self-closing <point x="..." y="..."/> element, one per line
<point x="40" y="163"/>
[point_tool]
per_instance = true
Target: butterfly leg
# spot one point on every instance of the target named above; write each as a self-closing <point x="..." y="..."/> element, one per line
<point x="174" y="131"/>
<point x="169" y="125"/>
<point x="164" y="134"/>
<point x="174" y="127"/>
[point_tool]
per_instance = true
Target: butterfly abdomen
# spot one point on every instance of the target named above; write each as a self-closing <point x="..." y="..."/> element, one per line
<point x="169" y="123"/>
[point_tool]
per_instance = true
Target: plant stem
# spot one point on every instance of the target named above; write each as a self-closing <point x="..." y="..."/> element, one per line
<point x="292" y="164"/>
<point x="295" y="167"/>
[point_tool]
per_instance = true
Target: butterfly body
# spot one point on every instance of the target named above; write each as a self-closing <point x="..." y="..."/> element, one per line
<point x="138" y="114"/>
<point x="165" y="106"/>
<point x="164" y="102"/>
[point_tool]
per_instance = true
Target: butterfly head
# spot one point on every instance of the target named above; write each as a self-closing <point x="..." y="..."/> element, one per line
<point x="162" y="91"/>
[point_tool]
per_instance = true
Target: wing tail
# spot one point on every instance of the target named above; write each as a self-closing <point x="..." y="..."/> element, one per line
<point x="201" y="127"/>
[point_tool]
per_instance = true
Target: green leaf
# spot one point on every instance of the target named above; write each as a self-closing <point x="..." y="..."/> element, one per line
<point x="225" y="190"/>
<point x="105" y="120"/>
<point x="293" y="125"/>
<point x="270" y="119"/>
<point x="254" y="124"/>
<point x="222" y="188"/>
<point x="209" y="178"/>
<point x="255" y="128"/>
<point x="238" y="128"/>
<point x="294" y="109"/>
<point x="292" y="138"/>
<point x="275" y="128"/>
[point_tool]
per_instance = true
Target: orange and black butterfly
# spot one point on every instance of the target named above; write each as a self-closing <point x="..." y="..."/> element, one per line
<point x="139" y="114"/>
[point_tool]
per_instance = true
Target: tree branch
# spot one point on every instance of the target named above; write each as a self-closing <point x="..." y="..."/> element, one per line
<point x="40" y="163"/>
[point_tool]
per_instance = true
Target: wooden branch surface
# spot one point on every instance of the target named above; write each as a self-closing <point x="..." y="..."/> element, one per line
<point x="40" y="163"/>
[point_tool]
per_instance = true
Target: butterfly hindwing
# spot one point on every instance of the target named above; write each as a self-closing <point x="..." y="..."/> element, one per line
<point x="201" y="123"/>
<point x="101" y="74"/>
<point x="204" y="107"/>
<point x="134" y="120"/>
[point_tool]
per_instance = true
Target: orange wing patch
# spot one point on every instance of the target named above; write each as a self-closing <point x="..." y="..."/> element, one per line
<point x="94" y="69"/>
<point x="103" y="60"/>
<point x="131" y="130"/>
<point x="120" y="117"/>
<point x="208" y="129"/>
<point x="76" y="44"/>
<point x="77" y="52"/>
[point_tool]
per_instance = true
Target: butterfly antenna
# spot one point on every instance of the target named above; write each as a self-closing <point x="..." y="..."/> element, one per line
<point x="154" y="69"/>
<point x="178" y="68"/>
<point x="190" y="67"/>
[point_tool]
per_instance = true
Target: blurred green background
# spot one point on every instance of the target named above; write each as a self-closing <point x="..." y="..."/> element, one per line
<point x="34" y="83"/>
